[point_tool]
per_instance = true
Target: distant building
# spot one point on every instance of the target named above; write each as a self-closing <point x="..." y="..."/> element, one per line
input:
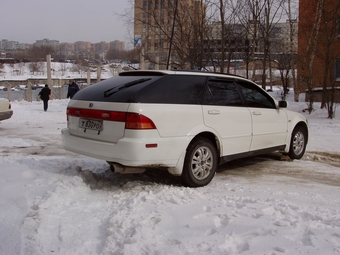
<point x="8" y="45"/>
<point x="24" y="46"/>
<point x="66" y="48"/>
<point x="47" y="43"/>
<point x="101" y="47"/>
<point x="155" y="28"/>
<point x="239" y="41"/>
<point x="117" y="45"/>
<point x="80" y="46"/>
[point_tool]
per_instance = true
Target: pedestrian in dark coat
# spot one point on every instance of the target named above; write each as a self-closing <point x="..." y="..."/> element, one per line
<point x="72" y="89"/>
<point x="45" y="96"/>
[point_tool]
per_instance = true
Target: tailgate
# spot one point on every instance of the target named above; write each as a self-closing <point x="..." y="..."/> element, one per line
<point x="97" y="120"/>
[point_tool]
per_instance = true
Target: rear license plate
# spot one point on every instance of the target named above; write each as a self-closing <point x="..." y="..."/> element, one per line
<point x="91" y="124"/>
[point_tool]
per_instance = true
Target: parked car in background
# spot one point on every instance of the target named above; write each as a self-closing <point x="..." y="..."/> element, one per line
<point x="187" y="122"/>
<point x="5" y="109"/>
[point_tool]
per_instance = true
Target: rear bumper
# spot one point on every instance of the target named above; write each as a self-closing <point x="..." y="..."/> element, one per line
<point x="127" y="151"/>
<point x="6" y="115"/>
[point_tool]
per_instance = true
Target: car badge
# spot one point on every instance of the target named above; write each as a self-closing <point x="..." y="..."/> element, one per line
<point x="90" y="105"/>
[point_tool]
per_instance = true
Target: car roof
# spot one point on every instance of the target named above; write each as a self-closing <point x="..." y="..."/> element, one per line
<point x="180" y="72"/>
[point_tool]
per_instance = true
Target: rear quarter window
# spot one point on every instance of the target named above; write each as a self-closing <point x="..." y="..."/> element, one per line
<point x="174" y="89"/>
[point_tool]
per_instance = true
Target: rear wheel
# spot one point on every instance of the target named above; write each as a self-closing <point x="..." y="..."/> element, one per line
<point x="298" y="143"/>
<point x="200" y="163"/>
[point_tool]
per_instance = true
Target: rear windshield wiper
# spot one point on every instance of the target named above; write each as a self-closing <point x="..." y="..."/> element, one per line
<point x="126" y="85"/>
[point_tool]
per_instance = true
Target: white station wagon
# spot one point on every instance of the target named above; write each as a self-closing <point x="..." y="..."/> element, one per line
<point x="185" y="121"/>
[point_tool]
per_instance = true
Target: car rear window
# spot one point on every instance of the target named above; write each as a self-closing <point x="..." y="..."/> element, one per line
<point x="117" y="89"/>
<point x="174" y="89"/>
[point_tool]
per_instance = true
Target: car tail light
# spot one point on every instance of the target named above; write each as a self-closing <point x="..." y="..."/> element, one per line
<point x="138" y="121"/>
<point x="96" y="114"/>
<point x="132" y="120"/>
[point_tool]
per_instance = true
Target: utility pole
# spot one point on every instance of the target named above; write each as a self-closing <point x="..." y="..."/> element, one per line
<point x="49" y="76"/>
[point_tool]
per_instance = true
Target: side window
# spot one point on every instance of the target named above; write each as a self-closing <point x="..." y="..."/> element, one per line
<point x="174" y="89"/>
<point x="255" y="96"/>
<point x="221" y="92"/>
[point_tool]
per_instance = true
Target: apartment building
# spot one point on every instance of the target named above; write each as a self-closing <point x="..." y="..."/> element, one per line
<point x="66" y="48"/>
<point x="8" y="45"/>
<point x="117" y="45"/>
<point x="82" y="46"/>
<point x="160" y="25"/>
<point x="48" y="43"/>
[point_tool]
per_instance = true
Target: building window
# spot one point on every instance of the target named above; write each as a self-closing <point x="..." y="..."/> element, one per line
<point x="337" y="69"/>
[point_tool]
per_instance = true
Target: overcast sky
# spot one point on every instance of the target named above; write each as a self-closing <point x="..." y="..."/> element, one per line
<point x="26" y="21"/>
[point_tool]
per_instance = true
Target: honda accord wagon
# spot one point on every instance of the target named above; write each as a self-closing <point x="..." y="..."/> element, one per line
<point x="185" y="121"/>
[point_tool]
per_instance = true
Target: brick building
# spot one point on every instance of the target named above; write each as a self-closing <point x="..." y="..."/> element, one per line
<point x="319" y="44"/>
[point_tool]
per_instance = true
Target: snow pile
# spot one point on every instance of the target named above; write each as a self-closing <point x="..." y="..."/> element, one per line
<point x="56" y="202"/>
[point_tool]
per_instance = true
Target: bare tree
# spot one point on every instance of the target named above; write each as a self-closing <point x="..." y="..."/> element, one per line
<point x="284" y="62"/>
<point x="307" y="60"/>
<point x="292" y="31"/>
<point x="171" y="30"/>
<point x="270" y="16"/>
<point x="327" y="53"/>
<point x="35" y="67"/>
<point x="253" y="10"/>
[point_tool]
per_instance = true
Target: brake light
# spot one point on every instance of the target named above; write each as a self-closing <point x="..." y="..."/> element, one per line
<point x="138" y="121"/>
<point x="132" y="120"/>
<point x="96" y="114"/>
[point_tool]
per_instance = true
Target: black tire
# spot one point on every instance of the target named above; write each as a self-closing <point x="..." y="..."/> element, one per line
<point x="200" y="163"/>
<point x="298" y="143"/>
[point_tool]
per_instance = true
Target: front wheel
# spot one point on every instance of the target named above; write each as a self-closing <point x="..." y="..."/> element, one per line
<point x="200" y="163"/>
<point x="298" y="143"/>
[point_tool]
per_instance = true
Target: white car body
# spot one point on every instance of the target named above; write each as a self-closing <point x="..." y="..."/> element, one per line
<point x="235" y="131"/>
<point x="5" y="109"/>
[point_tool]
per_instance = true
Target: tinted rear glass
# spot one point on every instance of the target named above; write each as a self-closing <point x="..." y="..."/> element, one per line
<point x="174" y="89"/>
<point x="116" y="89"/>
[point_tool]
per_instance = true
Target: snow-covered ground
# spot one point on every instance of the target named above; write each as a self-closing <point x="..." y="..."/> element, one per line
<point x="56" y="202"/>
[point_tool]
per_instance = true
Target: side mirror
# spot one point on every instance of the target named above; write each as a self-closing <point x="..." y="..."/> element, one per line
<point x="283" y="104"/>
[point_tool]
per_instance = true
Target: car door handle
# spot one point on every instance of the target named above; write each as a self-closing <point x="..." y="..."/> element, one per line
<point x="213" y="112"/>
<point x="257" y="113"/>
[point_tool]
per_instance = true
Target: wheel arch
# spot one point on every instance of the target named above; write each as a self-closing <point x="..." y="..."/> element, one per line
<point x="178" y="169"/>
<point x="301" y="124"/>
